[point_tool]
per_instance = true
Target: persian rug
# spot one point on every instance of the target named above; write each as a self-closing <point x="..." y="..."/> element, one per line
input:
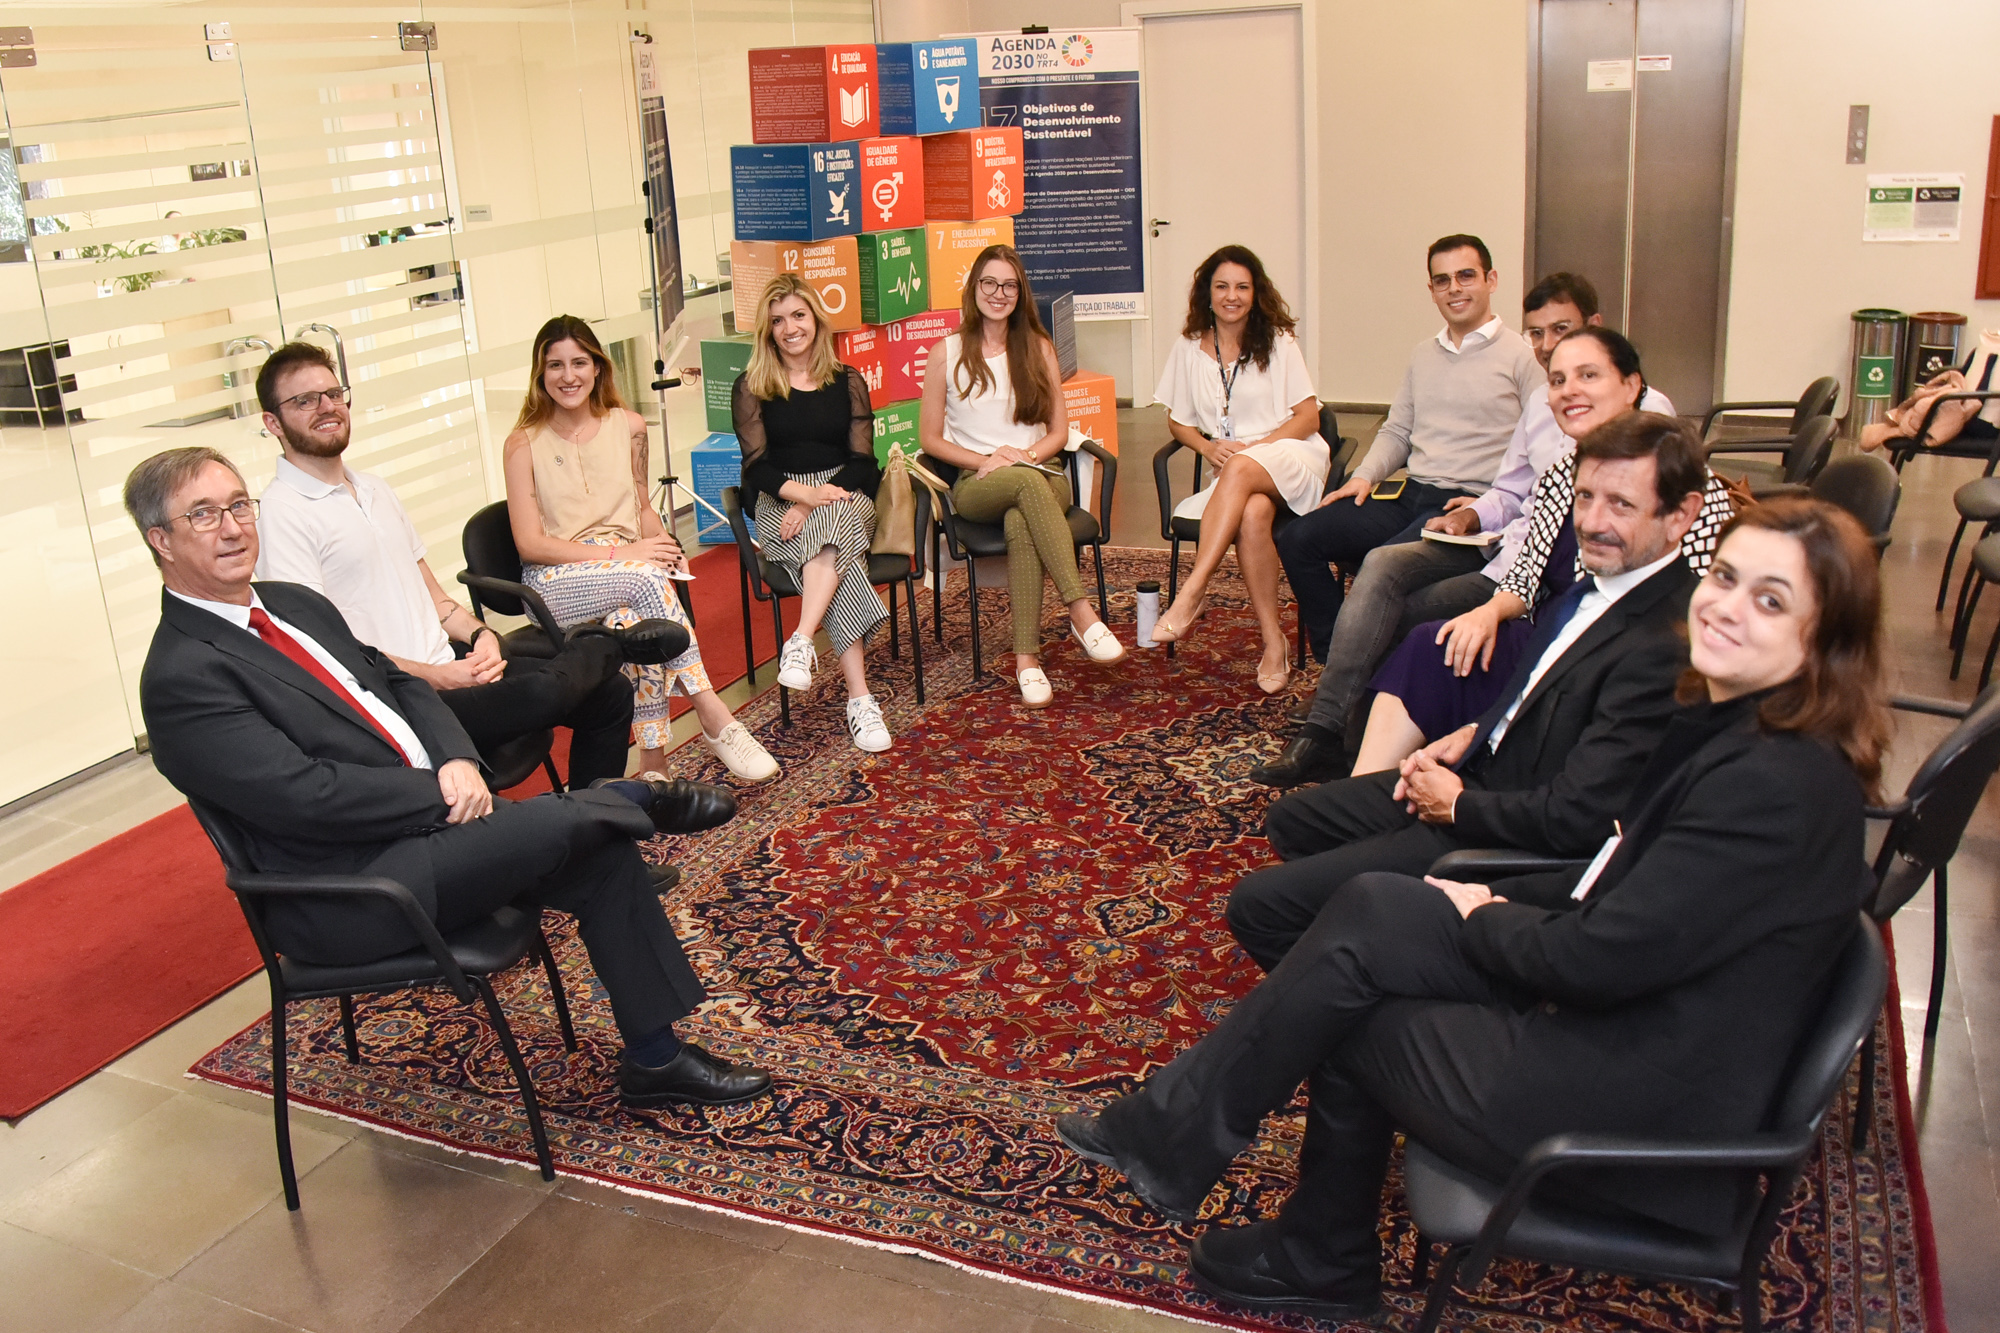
<point x="1009" y="915"/>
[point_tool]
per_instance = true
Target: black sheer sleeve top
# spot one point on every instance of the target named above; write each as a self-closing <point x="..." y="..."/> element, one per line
<point x="810" y="431"/>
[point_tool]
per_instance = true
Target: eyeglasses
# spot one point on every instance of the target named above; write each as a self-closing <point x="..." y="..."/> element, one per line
<point x="307" y="402"/>
<point x="207" y="518"/>
<point x="995" y="287"/>
<point x="1465" y="277"/>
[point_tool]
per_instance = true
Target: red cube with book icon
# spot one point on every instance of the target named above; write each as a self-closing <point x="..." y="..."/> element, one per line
<point x="814" y="94"/>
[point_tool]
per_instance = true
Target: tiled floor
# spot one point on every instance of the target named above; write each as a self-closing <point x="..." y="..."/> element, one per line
<point x="143" y="1200"/>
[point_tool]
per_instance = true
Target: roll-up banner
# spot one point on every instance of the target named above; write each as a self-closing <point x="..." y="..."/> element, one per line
<point x="1075" y="96"/>
<point x="663" y="215"/>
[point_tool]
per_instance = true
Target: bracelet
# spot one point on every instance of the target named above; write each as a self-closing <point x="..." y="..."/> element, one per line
<point x="473" y="642"/>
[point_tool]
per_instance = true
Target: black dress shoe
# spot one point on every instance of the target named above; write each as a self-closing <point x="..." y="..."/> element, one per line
<point x="1305" y="759"/>
<point x="1231" y="1263"/>
<point x="678" y="805"/>
<point x="1301" y="712"/>
<point x="1084" y="1134"/>
<point x="693" y="1076"/>
<point x="663" y="875"/>
<point x="647" y="643"/>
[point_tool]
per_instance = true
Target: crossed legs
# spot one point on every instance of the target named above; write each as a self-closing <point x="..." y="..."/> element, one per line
<point x="819" y="579"/>
<point x="1240" y="513"/>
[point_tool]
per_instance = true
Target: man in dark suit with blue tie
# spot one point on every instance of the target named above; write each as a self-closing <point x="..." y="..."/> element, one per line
<point x="262" y="706"/>
<point x="1548" y="767"/>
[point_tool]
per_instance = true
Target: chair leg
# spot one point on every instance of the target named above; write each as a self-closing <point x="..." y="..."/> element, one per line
<point x="1864" y="1099"/>
<point x="347" y="1030"/>
<point x="937" y="590"/>
<point x="1992" y="647"/>
<point x="555" y="778"/>
<point x="548" y="958"/>
<point x="778" y="637"/>
<point x="895" y="634"/>
<point x="972" y="600"/>
<point x="281" y="1109"/>
<point x="1958" y="613"/>
<point x="916" y="633"/>
<point x="513" y="1052"/>
<point x="1420" y="1261"/>
<point x="1173" y="579"/>
<point x="1963" y="632"/>
<point x="1103" y="602"/>
<point x="1950" y="555"/>
<point x="1440" y="1295"/>
<point x="749" y="648"/>
<point x="1940" y="937"/>
<point x="1750" y="1291"/>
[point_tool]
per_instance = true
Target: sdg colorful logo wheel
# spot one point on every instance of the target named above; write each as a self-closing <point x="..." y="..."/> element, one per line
<point x="1077" y="50"/>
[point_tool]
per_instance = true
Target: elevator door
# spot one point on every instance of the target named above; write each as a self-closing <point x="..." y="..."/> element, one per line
<point x="1631" y="167"/>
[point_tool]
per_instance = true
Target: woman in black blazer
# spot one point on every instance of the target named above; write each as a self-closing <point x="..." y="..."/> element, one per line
<point x="1660" y="992"/>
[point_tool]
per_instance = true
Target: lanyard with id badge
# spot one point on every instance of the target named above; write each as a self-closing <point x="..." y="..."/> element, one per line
<point x="1226" y="428"/>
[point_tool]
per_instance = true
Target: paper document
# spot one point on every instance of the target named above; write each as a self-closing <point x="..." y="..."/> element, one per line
<point x="1466" y="539"/>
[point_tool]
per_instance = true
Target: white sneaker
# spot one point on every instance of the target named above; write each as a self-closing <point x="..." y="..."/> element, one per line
<point x="741" y="754"/>
<point x="864" y="724"/>
<point x="1035" y="689"/>
<point x="796" y="661"/>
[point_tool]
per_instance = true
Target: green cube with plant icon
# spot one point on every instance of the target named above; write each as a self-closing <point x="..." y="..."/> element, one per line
<point x="896" y="428"/>
<point x="895" y="275"/>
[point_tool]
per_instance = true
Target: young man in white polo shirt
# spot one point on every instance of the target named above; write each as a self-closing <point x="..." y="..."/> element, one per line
<point x="1449" y="425"/>
<point x="345" y="535"/>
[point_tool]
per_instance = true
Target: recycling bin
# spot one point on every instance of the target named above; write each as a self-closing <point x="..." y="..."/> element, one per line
<point x="1877" y="359"/>
<point x="1935" y="344"/>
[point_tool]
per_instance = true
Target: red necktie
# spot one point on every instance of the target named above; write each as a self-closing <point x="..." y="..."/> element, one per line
<point x="292" y="648"/>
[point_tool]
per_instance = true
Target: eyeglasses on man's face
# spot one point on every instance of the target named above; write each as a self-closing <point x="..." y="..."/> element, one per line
<point x="207" y="518"/>
<point x="1465" y="277"/>
<point x="997" y="287"/>
<point x="308" y="402"/>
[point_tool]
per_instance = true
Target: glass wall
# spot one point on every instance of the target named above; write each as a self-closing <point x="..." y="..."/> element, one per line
<point x="187" y="198"/>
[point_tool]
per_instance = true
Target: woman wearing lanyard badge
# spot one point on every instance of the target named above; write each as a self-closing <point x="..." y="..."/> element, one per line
<point x="1237" y="393"/>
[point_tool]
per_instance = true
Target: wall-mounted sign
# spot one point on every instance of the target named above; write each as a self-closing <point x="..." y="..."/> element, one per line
<point x="1607" y="76"/>
<point x="1912" y="206"/>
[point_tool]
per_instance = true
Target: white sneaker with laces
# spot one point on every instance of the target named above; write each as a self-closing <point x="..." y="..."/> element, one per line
<point x="864" y="724"/>
<point x="796" y="661"/>
<point x="741" y="754"/>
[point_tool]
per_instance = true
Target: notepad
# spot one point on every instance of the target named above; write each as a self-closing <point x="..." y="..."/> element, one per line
<point x="1462" y="539"/>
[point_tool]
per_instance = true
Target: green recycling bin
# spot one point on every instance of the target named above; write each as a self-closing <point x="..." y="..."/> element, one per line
<point x="1877" y="366"/>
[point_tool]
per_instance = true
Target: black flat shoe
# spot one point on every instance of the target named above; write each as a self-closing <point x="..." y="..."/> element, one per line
<point x="1231" y="1264"/>
<point x="1084" y="1135"/>
<point x="663" y="875"/>
<point x="647" y="643"/>
<point x="1306" y="759"/>
<point x="678" y="805"/>
<point x="694" y="1076"/>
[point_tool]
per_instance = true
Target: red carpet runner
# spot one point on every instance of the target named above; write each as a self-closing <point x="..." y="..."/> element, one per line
<point x="1008" y="915"/>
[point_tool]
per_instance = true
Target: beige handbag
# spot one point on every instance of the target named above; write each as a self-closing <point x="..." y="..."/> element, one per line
<point x="896" y="505"/>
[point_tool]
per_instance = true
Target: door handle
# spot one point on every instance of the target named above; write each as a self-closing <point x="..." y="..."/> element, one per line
<point x="1158" y="223"/>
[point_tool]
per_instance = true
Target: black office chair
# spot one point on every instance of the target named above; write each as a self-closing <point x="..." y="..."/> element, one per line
<point x="759" y="578"/>
<point x="1924" y="829"/>
<point x="1816" y="401"/>
<point x="1863" y="485"/>
<point x="1902" y="448"/>
<point x="1480" y="1219"/>
<point x="1977" y="501"/>
<point x="1804" y="458"/>
<point x="968" y="541"/>
<point x="462" y="961"/>
<point x="492" y="574"/>
<point x="1177" y="530"/>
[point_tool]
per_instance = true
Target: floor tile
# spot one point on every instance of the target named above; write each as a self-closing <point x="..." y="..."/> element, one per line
<point x="167" y="1186"/>
<point x="571" y="1265"/>
<point x="914" y="1270"/>
<point x="55" y="1134"/>
<point x="173" y="1308"/>
<point x="1061" y="1314"/>
<point x="165" y="1059"/>
<point x="53" y="1288"/>
<point x="794" y="1295"/>
<point x="761" y="1235"/>
<point x="377" y="1236"/>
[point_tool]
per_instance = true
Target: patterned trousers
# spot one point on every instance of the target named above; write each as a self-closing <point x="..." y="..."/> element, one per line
<point x="1030" y="505"/>
<point x="846" y="525"/>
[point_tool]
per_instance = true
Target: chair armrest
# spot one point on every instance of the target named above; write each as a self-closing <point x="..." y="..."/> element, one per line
<point x="251" y="884"/>
<point x="538" y="610"/>
<point x="1910" y="703"/>
<point x="1783" y="490"/>
<point x="1482" y="865"/>
<point x="1163" y="484"/>
<point x="1755" y="444"/>
<point x="1724" y="409"/>
<point x="1108" y="463"/>
<point x="1924" y="431"/>
<point x="1750" y="1152"/>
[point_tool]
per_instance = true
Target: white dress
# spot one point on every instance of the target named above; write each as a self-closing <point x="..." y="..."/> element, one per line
<point x="1260" y="401"/>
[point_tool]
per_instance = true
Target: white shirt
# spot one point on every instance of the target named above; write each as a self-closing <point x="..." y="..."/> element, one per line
<point x="391" y="720"/>
<point x="1606" y="592"/>
<point x="1486" y="333"/>
<point x="984" y="422"/>
<point x="357" y="549"/>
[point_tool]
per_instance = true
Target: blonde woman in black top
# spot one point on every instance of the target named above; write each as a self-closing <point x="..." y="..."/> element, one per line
<point x="809" y="475"/>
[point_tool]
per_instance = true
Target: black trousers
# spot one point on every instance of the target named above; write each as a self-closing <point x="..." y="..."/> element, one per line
<point x="580" y="688"/>
<point x="1327" y="835"/>
<point x="576" y="853"/>
<point x="1343" y="533"/>
<point x="1379" y="1012"/>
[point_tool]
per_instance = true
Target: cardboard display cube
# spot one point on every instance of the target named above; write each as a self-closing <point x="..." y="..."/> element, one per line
<point x="952" y="248"/>
<point x="892" y="184"/>
<point x="722" y="360"/>
<point x="972" y="174"/>
<point x="795" y="192"/>
<point x="896" y="428"/>
<point x="1058" y="312"/>
<point x="909" y="341"/>
<point x="929" y="87"/>
<point x="895" y="271"/>
<point x="831" y="268"/>
<point x="1090" y="400"/>
<point x="810" y="94"/>
<point x="715" y="463"/>
<point x="867" y="350"/>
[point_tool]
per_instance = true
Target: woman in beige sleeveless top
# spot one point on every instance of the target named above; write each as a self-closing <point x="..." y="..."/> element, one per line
<point x="592" y="546"/>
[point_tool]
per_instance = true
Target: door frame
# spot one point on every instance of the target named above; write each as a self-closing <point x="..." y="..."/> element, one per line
<point x="1145" y="374"/>
<point x="1733" y="119"/>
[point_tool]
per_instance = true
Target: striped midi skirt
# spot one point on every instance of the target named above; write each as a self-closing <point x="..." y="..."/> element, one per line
<point x="846" y="525"/>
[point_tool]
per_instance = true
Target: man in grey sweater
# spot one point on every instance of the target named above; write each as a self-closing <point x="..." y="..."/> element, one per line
<point x="1448" y="426"/>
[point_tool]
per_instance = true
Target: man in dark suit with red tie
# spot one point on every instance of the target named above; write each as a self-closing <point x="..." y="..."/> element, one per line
<point x="260" y="704"/>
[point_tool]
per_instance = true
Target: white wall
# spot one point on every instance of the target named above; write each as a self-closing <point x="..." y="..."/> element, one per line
<point x="1927" y="68"/>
